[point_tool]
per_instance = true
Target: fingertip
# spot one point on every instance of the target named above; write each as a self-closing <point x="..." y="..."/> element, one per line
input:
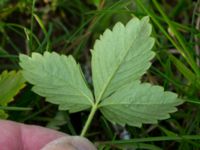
<point x="82" y="143"/>
<point x="70" y="143"/>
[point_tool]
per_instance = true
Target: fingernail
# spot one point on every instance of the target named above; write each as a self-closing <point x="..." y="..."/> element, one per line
<point x="82" y="143"/>
<point x="70" y="143"/>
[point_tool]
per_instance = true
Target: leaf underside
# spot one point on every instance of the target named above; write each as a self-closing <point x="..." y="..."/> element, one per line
<point x="119" y="59"/>
<point x="59" y="79"/>
<point x="139" y="103"/>
<point x="121" y="56"/>
<point x="10" y="85"/>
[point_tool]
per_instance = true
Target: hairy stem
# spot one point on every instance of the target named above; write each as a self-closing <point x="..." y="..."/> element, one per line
<point x="90" y="117"/>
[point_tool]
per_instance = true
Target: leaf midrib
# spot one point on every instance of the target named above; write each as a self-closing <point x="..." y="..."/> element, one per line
<point x="53" y="76"/>
<point x="117" y="68"/>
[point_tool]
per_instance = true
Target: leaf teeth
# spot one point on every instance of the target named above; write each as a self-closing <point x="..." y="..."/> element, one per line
<point x="121" y="56"/>
<point x="146" y="19"/>
<point x="59" y="79"/>
<point x="137" y="103"/>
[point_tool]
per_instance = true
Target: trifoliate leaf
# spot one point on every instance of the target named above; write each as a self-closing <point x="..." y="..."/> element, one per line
<point x="10" y="85"/>
<point x="59" y="79"/>
<point x="121" y="56"/>
<point x="138" y="103"/>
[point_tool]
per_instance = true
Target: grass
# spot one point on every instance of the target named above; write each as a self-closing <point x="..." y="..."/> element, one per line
<point x="70" y="27"/>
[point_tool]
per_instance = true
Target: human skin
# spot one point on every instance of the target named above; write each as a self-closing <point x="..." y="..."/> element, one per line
<point x="17" y="136"/>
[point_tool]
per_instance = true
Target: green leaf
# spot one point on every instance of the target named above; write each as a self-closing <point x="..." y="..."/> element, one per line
<point x="57" y="121"/>
<point x="59" y="79"/>
<point x="95" y="2"/>
<point x="121" y="56"/>
<point x="10" y="85"/>
<point x="3" y="115"/>
<point x="185" y="71"/>
<point x="138" y="103"/>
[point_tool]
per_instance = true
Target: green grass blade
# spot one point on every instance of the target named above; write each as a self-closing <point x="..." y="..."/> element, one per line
<point x="185" y="50"/>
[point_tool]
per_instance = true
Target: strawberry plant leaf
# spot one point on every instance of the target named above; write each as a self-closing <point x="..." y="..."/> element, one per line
<point x="138" y="103"/>
<point x="119" y="59"/>
<point x="10" y="85"/>
<point x="121" y="56"/>
<point x="59" y="79"/>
